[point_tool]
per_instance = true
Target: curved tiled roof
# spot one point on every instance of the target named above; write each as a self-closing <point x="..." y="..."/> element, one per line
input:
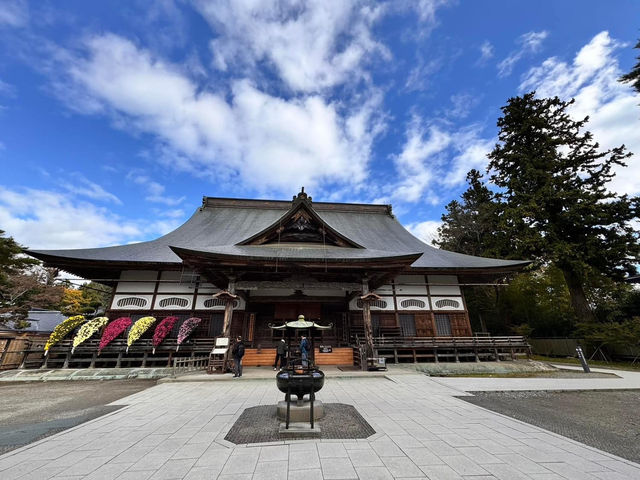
<point x="221" y="224"/>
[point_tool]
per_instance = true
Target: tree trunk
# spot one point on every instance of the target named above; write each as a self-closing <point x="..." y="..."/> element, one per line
<point x="579" y="301"/>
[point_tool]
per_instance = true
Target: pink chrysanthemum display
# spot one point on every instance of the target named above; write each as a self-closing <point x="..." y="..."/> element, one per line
<point x="162" y="330"/>
<point x="113" y="330"/>
<point x="187" y="327"/>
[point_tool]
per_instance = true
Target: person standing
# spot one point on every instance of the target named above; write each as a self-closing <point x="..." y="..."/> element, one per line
<point x="281" y="354"/>
<point x="305" y="346"/>
<point x="238" y="352"/>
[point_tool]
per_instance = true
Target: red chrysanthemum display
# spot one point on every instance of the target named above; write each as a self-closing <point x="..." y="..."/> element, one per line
<point x="162" y="330"/>
<point x="113" y="330"/>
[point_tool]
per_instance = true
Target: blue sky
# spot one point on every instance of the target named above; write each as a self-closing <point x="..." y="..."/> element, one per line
<point x="117" y="117"/>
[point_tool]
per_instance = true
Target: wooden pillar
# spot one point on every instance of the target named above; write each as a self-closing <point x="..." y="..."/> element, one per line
<point x="366" y="316"/>
<point x="229" y="298"/>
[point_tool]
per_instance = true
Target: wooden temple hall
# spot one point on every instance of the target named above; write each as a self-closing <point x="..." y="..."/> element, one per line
<point x="242" y="265"/>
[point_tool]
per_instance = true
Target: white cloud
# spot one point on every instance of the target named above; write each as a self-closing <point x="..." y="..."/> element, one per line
<point x="14" y="13"/>
<point x="486" y="52"/>
<point x="462" y="104"/>
<point x="155" y="191"/>
<point x="312" y="45"/>
<point x="418" y="162"/>
<point x="427" y="9"/>
<point x="263" y="141"/>
<point x="7" y="89"/>
<point x="592" y="79"/>
<point x="426" y="231"/>
<point x="419" y="75"/>
<point x="42" y="219"/>
<point x="78" y="184"/>
<point x="435" y="157"/>
<point x="470" y="150"/>
<point x="530" y="43"/>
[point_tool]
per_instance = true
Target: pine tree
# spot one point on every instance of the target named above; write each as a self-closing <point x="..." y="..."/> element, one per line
<point x="556" y="205"/>
<point x="472" y="225"/>
<point x="633" y="77"/>
<point x="11" y="260"/>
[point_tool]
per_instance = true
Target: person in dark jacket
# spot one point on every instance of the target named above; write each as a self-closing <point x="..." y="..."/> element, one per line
<point x="238" y="352"/>
<point x="281" y="354"/>
<point x="305" y="346"/>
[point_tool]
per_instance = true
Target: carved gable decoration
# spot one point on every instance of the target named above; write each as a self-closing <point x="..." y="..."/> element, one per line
<point x="301" y="224"/>
<point x="302" y="229"/>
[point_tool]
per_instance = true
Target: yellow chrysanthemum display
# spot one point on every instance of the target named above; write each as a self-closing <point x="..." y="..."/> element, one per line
<point x="62" y="330"/>
<point x="88" y="330"/>
<point x="138" y="329"/>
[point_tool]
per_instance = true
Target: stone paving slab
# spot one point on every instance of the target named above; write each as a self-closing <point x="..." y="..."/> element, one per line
<point x="177" y="430"/>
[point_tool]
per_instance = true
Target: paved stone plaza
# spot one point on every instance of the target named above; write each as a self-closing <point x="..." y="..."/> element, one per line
<point x="177" y="430"/>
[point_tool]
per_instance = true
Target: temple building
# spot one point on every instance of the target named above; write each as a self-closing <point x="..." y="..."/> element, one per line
<point x="242" y="265"/>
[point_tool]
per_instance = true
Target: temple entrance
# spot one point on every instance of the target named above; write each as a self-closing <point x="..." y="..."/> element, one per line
<point x="278" y="312"/>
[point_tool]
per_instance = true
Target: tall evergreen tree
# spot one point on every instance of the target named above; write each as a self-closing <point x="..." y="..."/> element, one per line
<point x="471" y="225"/>
<point x="11" y="259"/>
<point x="633" y="77"/>
<point x="556" y="205"/>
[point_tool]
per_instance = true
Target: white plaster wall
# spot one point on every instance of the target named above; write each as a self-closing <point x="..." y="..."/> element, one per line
<point x="175" y="286"/>
<point x="402" y="288"/>
<point x="447" y="288"/>
<point x="145" y="281"/>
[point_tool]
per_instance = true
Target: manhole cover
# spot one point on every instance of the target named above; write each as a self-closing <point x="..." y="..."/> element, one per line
<point x="260" y="424"/>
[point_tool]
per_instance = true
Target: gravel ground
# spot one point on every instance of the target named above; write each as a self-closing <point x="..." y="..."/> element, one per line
<point x="261" y="424"/>
<point x="31" y="411"/>
<point x="552" y="374"/>
<point x="607" y="419"/>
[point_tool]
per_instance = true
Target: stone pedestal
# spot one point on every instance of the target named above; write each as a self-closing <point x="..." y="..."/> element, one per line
<point x="299" y="429"/>
<point x="300" y="411"/>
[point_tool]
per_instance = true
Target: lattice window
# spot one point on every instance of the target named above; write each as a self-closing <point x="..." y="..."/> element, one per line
<point x="412" y="302"/>
<point x="173" y="302"/>
<point x="216" y="302"/>
<point x="132" y="302"/>
<point x="375" y="303"/>
<point x="443" y="325"/>
<point x="407" y="325"/>
<point x="447" y="302"/>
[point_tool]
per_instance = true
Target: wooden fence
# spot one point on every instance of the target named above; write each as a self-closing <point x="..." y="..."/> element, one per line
<point x="140" y="354"/>
<point x="436" y="349"/>
<point x="190" y="364"/>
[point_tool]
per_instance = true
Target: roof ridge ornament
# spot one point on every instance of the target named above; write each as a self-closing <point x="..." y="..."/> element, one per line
<point x="301" y="197"/>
